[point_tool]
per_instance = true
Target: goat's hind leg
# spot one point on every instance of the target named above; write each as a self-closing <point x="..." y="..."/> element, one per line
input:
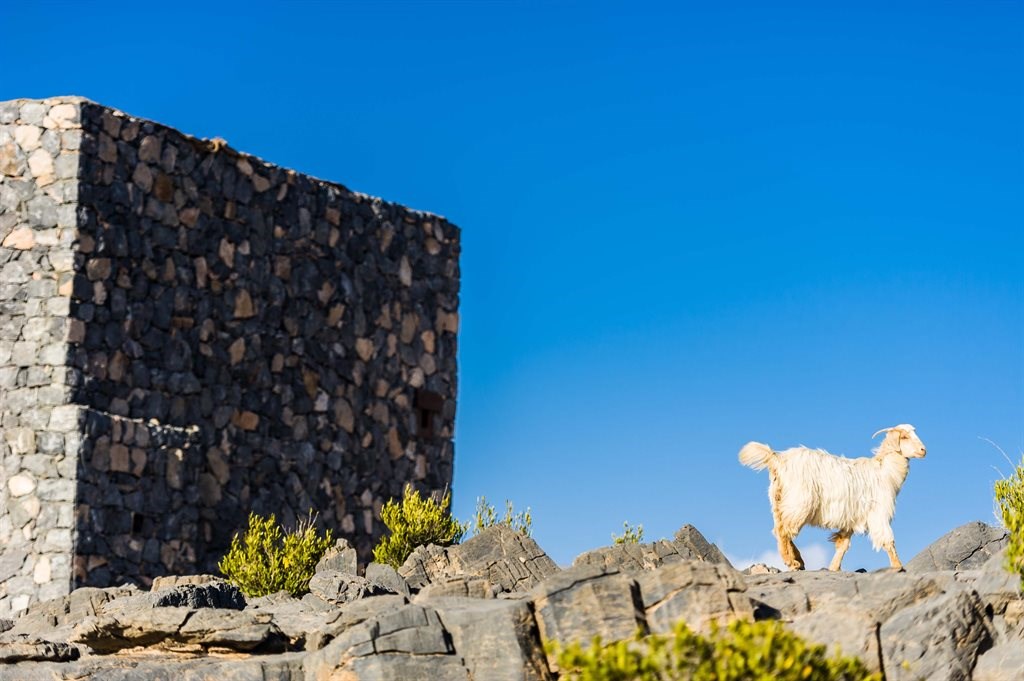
<point x="788" y="550"/>
<point x="798" y="560"/>
<point x="842" y="542"/>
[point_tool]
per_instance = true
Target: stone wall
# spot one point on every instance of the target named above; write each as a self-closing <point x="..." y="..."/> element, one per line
<point x="205" y="335"/>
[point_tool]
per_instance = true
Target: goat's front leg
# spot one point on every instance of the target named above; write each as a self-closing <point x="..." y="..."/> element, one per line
<point x="842" y="542"/>
<point x="894" y="560"/>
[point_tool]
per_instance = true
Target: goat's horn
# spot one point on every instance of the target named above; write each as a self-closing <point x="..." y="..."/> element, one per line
<point x="883" y="430"/>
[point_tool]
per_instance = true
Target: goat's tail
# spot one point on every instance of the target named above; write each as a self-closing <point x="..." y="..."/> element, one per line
<point x="757" y="456"/>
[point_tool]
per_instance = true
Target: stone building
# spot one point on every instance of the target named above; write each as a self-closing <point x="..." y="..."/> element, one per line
<point x="188" y="334"/>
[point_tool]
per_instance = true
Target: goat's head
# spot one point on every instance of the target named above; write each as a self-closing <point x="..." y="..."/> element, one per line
<point x="903" y="439"/>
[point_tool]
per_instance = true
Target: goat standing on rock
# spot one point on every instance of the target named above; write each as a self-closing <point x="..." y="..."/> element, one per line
<point x="813" y="487"/>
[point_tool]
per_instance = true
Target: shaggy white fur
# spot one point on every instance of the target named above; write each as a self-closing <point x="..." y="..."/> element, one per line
<point x="812" y="487"/>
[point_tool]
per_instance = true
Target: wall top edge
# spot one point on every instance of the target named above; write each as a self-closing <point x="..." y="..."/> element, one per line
<point x="57" y="99"/>
<point x="224" y="148"/>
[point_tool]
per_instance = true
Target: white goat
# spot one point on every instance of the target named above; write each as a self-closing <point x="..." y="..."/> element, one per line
<point x="813" y="487"/>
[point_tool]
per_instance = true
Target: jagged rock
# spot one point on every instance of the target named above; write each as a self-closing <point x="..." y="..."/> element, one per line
<point x="497" y="639"/>
<point x="337" y="587"/>
<point x="461" y="586"/>
<point x="968" y="546"/>
<point x="699" y="593"/>
<point x="29" y="648"/>
<point x="689" y="544"/>
<point x="689" y="538"/>
<point x="341" y="557"/>
<point x="213" y="594"/>
<point x="633" y="558"/>
<point x="387" y="577"/>
<point x="1003" y="662"/>
<point x="586" y="601"/>
<point x="508" y="559"/>
<point x="5" y="624"/>
<point x="425" y="565"/>
<point x="937" y="639"/>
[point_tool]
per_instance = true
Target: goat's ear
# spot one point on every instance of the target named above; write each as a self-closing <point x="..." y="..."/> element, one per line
<point x="883" y="430"/>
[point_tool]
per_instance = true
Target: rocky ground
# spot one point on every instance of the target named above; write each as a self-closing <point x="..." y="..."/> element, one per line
<point x="484" y="609"/>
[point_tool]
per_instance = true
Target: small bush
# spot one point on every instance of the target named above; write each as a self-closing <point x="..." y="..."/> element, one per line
<point x="486" y="516"/>
<point x="266" y="560"/>
<point x="743" y="651"/>
<point x="415" y="521"/>
<point x="630" y="534"/>
<point x="1010" y="498"/>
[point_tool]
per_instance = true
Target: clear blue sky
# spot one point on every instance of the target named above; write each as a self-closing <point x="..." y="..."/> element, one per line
<point x="684" y="227"/>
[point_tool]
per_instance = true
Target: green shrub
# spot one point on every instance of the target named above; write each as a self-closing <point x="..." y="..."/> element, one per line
<point x="1010" y="498"/>
<point x="630" y="534"/>
<point x="486" y="516"/>
<point x="742" y="651"/>
<point x="266" y="560"/>
<point x="415" y="521"/>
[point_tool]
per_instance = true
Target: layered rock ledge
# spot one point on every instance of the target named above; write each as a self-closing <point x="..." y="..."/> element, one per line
<point x="484" y="610"/>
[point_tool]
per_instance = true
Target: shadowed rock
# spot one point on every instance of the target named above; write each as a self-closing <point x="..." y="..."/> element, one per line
<point x="998" y="588"/>
<point x="938" y="639"/>
<point x="213" y="594"/>
<point x="497" y="639"/>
